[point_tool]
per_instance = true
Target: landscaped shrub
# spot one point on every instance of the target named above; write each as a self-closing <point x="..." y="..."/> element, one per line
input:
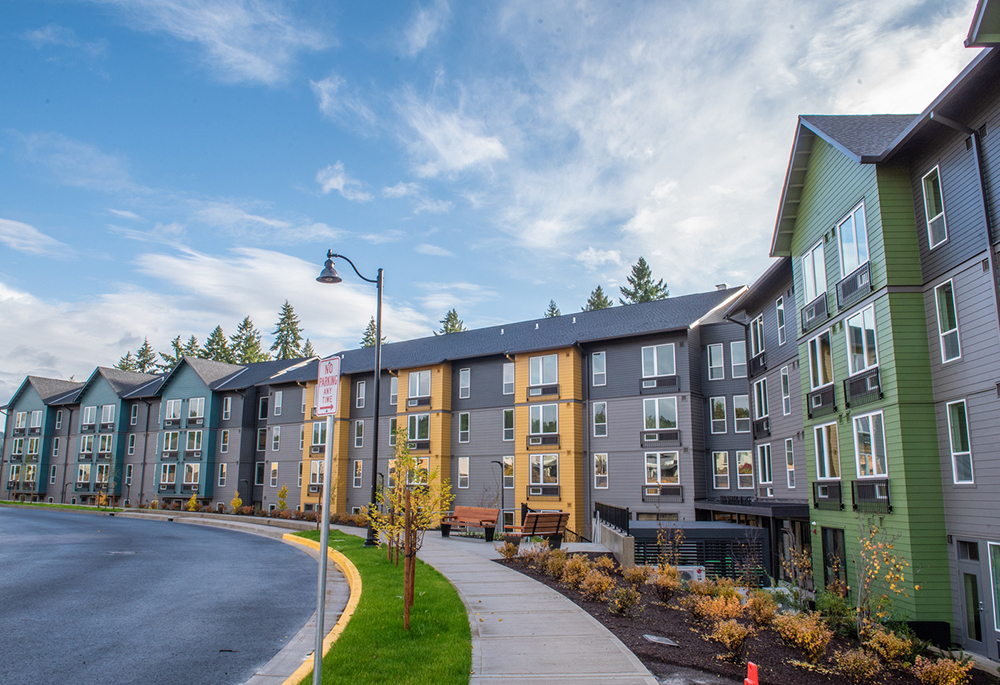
<point x="857" y="665"/>
<point x="942" y="671"/>
<point x="624" y="601"/>
<point x="555" y="563"/>
<point x="575" y="570"/>
<point x="596" y="585"/>
<point x="733" y="636"/>
<point x="508" y="550"/>
<point x="605" y="564"/>
<point x="716" y="608"/>
<point x="702" y="588"/>
<point x="536" y="555"/>
<point x="636" y="576"/>
<point x="666" y="582"/>
<point x="761" y="608"/>
<point x="893" y="650"/>
<point x="837" y="613"/>
<point x="805" y="632"/>
<point x="725" y="587"/>
<point x="309" y="516"/>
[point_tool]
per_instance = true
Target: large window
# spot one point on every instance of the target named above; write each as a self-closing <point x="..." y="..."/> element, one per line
<point x="508" y="472"/>
<point x="827" y="452"/>
<point x="760" y="399"/>
<point x="464" y="383"/>
<point x="36" y="417"/>
<point x="171" y="412"/>
<point x="87" y="443"/>
<point x="937" y="228"/>
<point x="319" y="433"/>
<point x="18" y="446"/>
<point x="786" y="392"/>
<point x="543" y="419"/>
<point x="316" y="472"/>
<point x="168" y="474"/>
<point x="83" y="474"/>
<point x="718" y="408"/>
<point x="600" y="419"/>
<point x="779" y="307"/>
<point x="171" y="441"/>
<point x="720" y="470"/>
<point x="418" y="427"/>
<point x="21" y="419"/>
<point x="600" y="371"/>
<point x="814" y="273"/>
<point x="107" y="413"/>
<point x="103" y="447"/>
<point x="420" y="383"/>
<point x="744" y="470"/>
<point x="463" y="427"/>
<point x="961" y="450"/>
<point x="716" y="363"/>
<point x="463" y="472"/>
<point x="90" y="414"/>
<point x="869" y="445"/>
<point x="194" y="441"/>
<point x="789" y="463"/>
<point x="662" y="468"/>
<point x="658" y="360"/>
<point x="543" y="469"/>
<point x="33" y="445"/>
<point x="359" y="395"/>
<point x="660" y="412"/>
<point x="764" y="464"/>
<point x="359" y="433"/>
<point x="543" y="370"/>
<point x="757" y="336"/>
<point x="861" y="348"/>
<point x="508" y="378"/>
<point x="741" y="413"/>
<point x="947" y="317"/>
<point x="196" y="408"/>
<point x="820" y="361"/>
<point x="600" y="471"/>
<point x="738" y="355"/>
<point x="852" y="236"/>
<point x="508" y="424"/>
<point x="192" y="474"/>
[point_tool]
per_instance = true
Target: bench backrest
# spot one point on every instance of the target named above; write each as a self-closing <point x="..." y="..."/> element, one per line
<point x="547" y="522"/>
<point x="476" y="514"/>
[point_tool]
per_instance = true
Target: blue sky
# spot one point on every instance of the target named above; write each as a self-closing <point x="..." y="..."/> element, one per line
<point x="167" y="166"/>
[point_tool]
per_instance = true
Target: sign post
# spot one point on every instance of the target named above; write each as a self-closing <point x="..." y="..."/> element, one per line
<point x="327" y="395"/>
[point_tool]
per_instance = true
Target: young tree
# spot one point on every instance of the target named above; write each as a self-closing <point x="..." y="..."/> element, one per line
<point x="127" y="363"/>
<point x="168" y="362"/>
<point x="145" y="358"/>
<point x="192" y="348"/>
<point x="368" y="339"/>
<point x="451" y="323"/>
<point x="643" y="288"/>
<point x="217" y="347"/>
<point x="307" y="349"/>
<point x="598" y="300"/>
<point x="283" y="498"/>
<point x="245" y="344"/>
<point x="552" y="311"/>
<point x="287" y="334"/>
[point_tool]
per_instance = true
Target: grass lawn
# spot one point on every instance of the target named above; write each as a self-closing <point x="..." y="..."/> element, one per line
<point x="58" y="506"/>
<point x="374" y="648"/>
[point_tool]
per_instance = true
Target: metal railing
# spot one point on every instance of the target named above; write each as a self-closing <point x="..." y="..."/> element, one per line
<point x="871" y="495"/>
<point x="616" y="517"/>
<point x="854" y="287"/>
<point x="827" y="495"/>
<point x="863" y="388"/>
<point x="814" y="313"/>
<point x="758" y="364"/>
<point x="821" y="402"/>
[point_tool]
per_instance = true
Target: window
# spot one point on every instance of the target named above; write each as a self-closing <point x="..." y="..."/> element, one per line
<point x="543" y="370"/>
<point x="258" y="473"/>
<point x="275" y="438"/>
<point x="820" y="361"/>
<point x="302" y="436"/>
<point x="224" y="442"/>
<point x="36" y="417"/>
<point x="316" y="473"/>
<point x="134" y="419"/>
<point x="718" y="408"/>
<point x="419" y="475"/>
<point x="852" y="236"/>
<point x="947" y="317"/>
<point x="103" y="447"/>
<point x="262" y="408"/>
<point x="86" y="444"/>
<point x="600" y="471"/>
<point x="716" y="363"/>
<point x="278" y="396"/>
<point x="168" y="473"/>
<point x="660" y="412"/>
<point x="303" y="400"/>
<point x="299" y="483"/>
<point x="764" y="464"/>
<point x="196" y="408"/>
<point x="937" y="228"/>
<point x="261" y="439"/>
<point x="358" y="471"/>
<point x="359" y="433"/>
<point x="961" y="451"/>
<point x="738" y="355"/>
<point x="786" y="392"/>
<point x="600" y="419"/>
<point x="88" y="418"/>
<point x="544" y="469"/>
<point x="33" y="446"/>
<point x="658" y="360"/>
<point x="543" y="419"/>
<point x="861" y="348"/>
<point x="171" y="441"/>
<point x="464" y="383"/>
<point x="55" y="447"/>
<point x="720" y="470"/>
<point x="128" y="474"/>
<point x="107" y="414"/>
<point x="194" y="441"/>
<point x="274" y="474"/>
<point x="392" y="431"/>
<point x="741" y="413"/>
<point x="760" y="399"/>
<point x="29" y="473"/>
<point x="83" y="473"/>
<point x="131" y="443"/>
<point x="995" y="574"/>
<point x="869" y="445"/>
<point x="508" y="424"/>
<point x="599" y="369"/>
<point x="827" y="452"/>
<point x="662" y="468"/>
<point x="21" y="420"/>
<point x="171" y="412"/>
<point x="779" y="307"/>
<point x="814" y="273"/>
<point x="59" y="418"/>
<point x="463" y="472"/>
<point x="744" y="470"/>
<point x="192" y="474"/>
<point x="789" y="463"/>
<point x="418" y="427"/>
<point x="52" y="475"/>
<point x="757" y="336"/>
<point x="420" y="383"/>
<point x="223" y="472"/>
<point x="359" y="395"/>
<point x="393" y="390"/>
<point x="508" y="472"/>
<point x="319" y="433"/>
<point x="227" y="408"/>
<point x="463" y="427"/>
<point x="508" y="378"/>
<point x="18" y="448"/>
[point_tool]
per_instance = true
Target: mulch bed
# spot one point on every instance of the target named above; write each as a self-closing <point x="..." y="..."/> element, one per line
<point x="764" y="649"/>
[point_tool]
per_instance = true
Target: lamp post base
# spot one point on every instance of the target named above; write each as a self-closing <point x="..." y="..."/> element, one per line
<point x="370" y="541"/>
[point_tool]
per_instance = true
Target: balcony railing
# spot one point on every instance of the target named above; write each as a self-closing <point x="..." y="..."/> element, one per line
<point x="616" y="517"/>
<point x="871" y="495"/>
<point x="814" y="313"/>
<point x="758" y="364"/>
<point x="854" y="287"/>
<point x="827" y="495"/>
<point x="762" y="428"/>
<point x="863" y="388"/>
<point x="822" y="402"/>
<point x="662" y="493"/>
<point x="660" y="438"/>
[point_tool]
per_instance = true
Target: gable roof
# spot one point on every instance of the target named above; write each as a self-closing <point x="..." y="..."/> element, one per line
<point x="260" y="373"/>
<point x="985" y="28"/>
<point x="50" y="390"/>
<point x="764" y="289"/>
<point x="121" y="382"/>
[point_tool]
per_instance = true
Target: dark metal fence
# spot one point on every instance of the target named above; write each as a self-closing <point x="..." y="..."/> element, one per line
<point x="616" y="517"/>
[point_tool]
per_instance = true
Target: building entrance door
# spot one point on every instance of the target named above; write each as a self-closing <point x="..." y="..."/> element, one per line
<point x="971" y="590"/>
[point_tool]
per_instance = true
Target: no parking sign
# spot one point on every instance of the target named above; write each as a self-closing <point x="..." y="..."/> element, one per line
<point x="327" y="386"/>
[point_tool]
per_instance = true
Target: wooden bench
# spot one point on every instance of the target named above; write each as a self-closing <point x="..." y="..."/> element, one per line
<point x="547" y="524"/>
<point x="471" y="517"/>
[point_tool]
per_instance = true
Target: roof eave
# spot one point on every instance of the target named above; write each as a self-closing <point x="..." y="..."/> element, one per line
<point x="791" y="193"/>
<point x="984" y="31"/>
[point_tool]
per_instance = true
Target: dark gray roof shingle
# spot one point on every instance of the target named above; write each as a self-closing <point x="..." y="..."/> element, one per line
<point x="861" y="135"/>
<point x="53" y="389"/>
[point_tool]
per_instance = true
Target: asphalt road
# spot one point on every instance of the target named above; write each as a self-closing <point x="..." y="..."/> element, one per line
<point x="95" y="599"/>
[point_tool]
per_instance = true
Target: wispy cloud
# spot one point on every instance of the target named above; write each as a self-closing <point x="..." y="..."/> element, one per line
<point x="426" y="23"/>
<point x="448" y="141"/>
<point x="28" y="239"/>
<point x="124" y="213"/>
<point x="421" y="203"/>
<point x="53" y="34"/>
<point x="389" y="236"/>
<point x="438" y="297"/>
<point x="592" y="258"/>
<point x="401" y="189"/>
<point x="426" y="204"/>
<point x="75" y="163"/>
<point x="241" y="40"/>
<point x="433" y="250"/>
<point x="333" y="177"/>
<point x="335" y="102"/>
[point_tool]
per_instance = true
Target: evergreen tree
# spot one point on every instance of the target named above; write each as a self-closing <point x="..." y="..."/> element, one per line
<point x="451" y="323"/>
<point x="127" y="363"/>
<point x="192" y="348"/>
<point x="307" y="349"/>
<point x="145" y="358"/>
<point x="368" y="339"/>
<point x="168" y="362"/>
<point x="552" y="311"/>
<point x="217" y="347"/>
<point x="245" y="344"/>
<point x="287" y="334"/>
<point x="643" y="288"/>
<point x="598" y="300"/>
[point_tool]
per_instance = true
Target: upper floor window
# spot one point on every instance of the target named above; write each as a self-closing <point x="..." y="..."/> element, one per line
<point x="861" y="352"/>
<point x="107" y="413"/>
<point x="463" y="426"/>
<point x="278" y="396"/>
<point x="543" y="370"/>
<point x="718" y="409"/>
<point x="464" y="383"/>
<point x="658" y="360"/>
<point x="789" y="463"/>
<point x="36" y="417"/>
<point x="134" y="419"/>
<point x="852" y="236"/>
<point x="937" y="229"/>
<point x="659" y="412"/>
<point x="662" y="468"/>
<point x="744" y="469"/>
<point x="786" y="392"/>
<point x="741" y="413"/>
<point x="764" y="474"/>
<point x="359" y="395"/>
<point x="508" y="472"/>
<point x="359" y="433"/>
<point x="760" y="399"/>
<point x="543" y="469"/>
<point x="90" y="415"/>
<point x="172" y="410"/>
<point x="508" y="424"/>
<point x="59" y="418"/>
<point x="393" y="390"/>
<point x="420" y="383"/>
<point x="716" y="363"/>
<point x="21" y="420"/>
<point x="814" y="273"/>
<point x="194" y="441"/>
<point x="223" y="442"/>
<point x="600" y="471"/>
<point x="33" y="445"/>
<point x="738" y="356"/>
<point x="171" y="441"/>
<point x="869" y="445"/>
<point x="261" y="439"/>
<point x="418" y="427"/>
<point x="543" y="418"/>
<point x="600" y="370"/>
<point x="393" y="426"/>
<point x="720" y="470"/>
<point x="227" y="408"/>
<point x="947" y="317"/>
<point x="508" y="378"/>
<point x="757" y="336"/>
<point x="196" y="408"/>
<point x="779" y="307"/>
<point x="961" y="451"/>
<point x="18" y="448"/>
<point x="600" y="419"/>
<point x="820" y="361"/>
<point x="827" y="451"/>
<point x="262" y="409"/>
<point x="275" y="438"/>
<point x="319" y="433"/>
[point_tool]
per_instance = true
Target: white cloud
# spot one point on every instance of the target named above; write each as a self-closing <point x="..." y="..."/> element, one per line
<point x="124" y="213"/>
<point x="427" y="22"/>
<point x="75" y="163"/>
<point x="433" y="250"/>
<point x="592" y="258"/>
<point x="422" y="203"/>
<point x="448" y="141"/>
<point x="426" y="204"/>
<point x="333" y="177"/>
<point x="241" y="40"/>
<point x="334" y="106"/>
<point x="25" y="238"/>
<point x="388" y="236"/>
<point x="401" y="189"/>
<point x="53" y="34"/>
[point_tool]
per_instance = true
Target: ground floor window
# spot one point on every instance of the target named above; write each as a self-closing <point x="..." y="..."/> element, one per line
<point x="463" y="472"/>
<point x="834" y="557"/>
<point x="720" y="467"/>
<point x="995" y="580"/>
<point x="655" y="516"/>
<point x="358" y="468"/>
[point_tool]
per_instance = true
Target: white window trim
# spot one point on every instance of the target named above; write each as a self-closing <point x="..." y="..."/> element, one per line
<point x="359" y="433"/>
<point x="951" y="444"/>
<point x="958" y="326"/>
<point x="857" y="452"/>
<point x="274" y="474"/>
<point x="721" y="367"/>
<point x="508" y="386"/>
<point x="736" y="425"/>
<point x="468" y="422"/>
<point x="59" y="419"/>
<point x="659" y="468"/>
<point x="757" y="342"/>
<point x="809" y="358"/>
<point x="411" y="435"/>
<point x="595" y="373"/>
<point x="607" y="474"/>
<point x="223" y="472"/>
<point x="847" y="341"/>
<point x="276" y="438"/>
<point x="278" y="396"/>
<point x="762" y="449"/>
<point x="357" y="473"/>
<point x="739" y="482"/>
<point x="760" y="398"/>
<point x="657" y="372"/>
<point x="508" y="459"/>
<point x="656" y="402"/>
<point x="359" y="395"/>
<point x="417" y="374"/>
<point x="820" y="428"/>
<point x="196" y="404"/>
<point x="463" y="462"/>
<point x="944" y="214"/>
<point x="786" y="391"/>
<point x="844" y="273"/>
<point x="790" y="466"/>
<point x="732" y="359"/>
<point x="393" y="390"/>
<point x="224" y="442"/>
<point x="716" y="475"/>
<point x="541" y="369"/>
<point x="52" y="474"/>
<point x="464" y="384"/>
<point x="541" y="470"/>
<point x="131" y="443"/>
<point x="712" y="419"/>
<point x="805" y="286"/>
<point x="227" y="408"/>
<point x="604" y="424"/>
<point x="541" y="419"/>
<point x="779" y="312"/>
<point x="503" y="427"/>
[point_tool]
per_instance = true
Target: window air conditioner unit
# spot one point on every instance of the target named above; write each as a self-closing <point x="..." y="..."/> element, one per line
<point x="163" y="486"/>
<point x="534" y="441"/>
<point x="534" y="491"/>
<point x="823" y="491"/>
<point x="649" y="384"/>
<point x="689" y="573"/>
<point x="316" y="449"/>
<point x="411" y="403"/>
<point x="653" y="492"/>
<point x="199" y="422"/>
<point x="650" y="437"/>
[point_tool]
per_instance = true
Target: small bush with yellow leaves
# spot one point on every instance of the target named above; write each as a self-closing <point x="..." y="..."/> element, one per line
<point x="702" y="588"/>
<point x="895" y="651"/>
<point x="574" y="571"/>
<point x="942" y="671"/>
<point x="508" y="550"/>
<point x="666" y="582"/>
<point x="805" y="632"/>
<point x="536" y="555"/>
<point x="716" y="608"/>
<point x="624" y="601"/>
<point x="761" y="608"/>
<point x="596" y="585"/>
<point x="605" y="564"/>
<point x="555" y="563"/>
<point x="636" y="576"/>
<point x="857" y="666"/>
<point x="726" y="587"/>
<point x="732" y="635"/>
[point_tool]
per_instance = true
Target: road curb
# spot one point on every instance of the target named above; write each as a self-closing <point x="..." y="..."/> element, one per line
<point x="354" y="582"/>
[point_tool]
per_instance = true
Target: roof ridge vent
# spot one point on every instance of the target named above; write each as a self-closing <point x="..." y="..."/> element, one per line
<point x="501" y="331"/>
<point x="574" y="319"/>
<point x="536" y="326"/>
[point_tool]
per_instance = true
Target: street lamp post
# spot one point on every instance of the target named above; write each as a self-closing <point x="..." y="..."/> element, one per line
<point x="329" y="275"/>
